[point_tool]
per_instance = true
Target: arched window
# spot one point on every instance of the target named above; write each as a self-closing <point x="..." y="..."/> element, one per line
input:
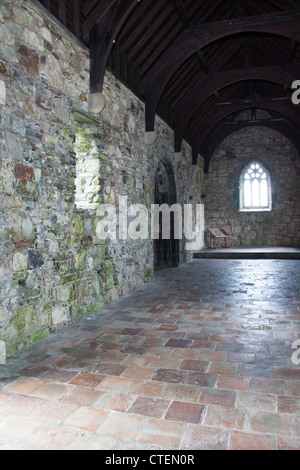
<point x="255" y="188"/>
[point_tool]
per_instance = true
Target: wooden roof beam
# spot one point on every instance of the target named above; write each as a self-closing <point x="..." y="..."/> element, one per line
<point x="189" y="41"/>
<point x="102" y="36"/>
<point x="283" y="108"/>
<point x="207" y="121"/>
<point x="185" y="21"/>
<point x="187" y="107"/>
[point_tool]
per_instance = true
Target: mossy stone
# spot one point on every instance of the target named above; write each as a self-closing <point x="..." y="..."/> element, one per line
<point x="82" y="259"/>
<point x="78" y="226"/>
<point x="23" y="324"/>
<point x="96" y="306"/>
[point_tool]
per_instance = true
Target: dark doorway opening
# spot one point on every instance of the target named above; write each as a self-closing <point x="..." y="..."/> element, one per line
<point x="166" y="252"/>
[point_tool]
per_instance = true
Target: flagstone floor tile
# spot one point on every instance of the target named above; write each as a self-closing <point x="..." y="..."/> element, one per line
<point x="201" y="358"/>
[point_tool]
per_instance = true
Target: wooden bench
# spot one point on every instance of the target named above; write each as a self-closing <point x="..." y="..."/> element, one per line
<point x="218" y="233"/>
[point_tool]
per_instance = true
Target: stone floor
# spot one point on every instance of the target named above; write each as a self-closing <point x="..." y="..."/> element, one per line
<point x="199" y="359"/>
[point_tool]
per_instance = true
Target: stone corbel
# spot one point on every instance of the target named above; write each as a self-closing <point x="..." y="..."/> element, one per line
<point x="97" y="103"/>
<point x="150" y="138"/>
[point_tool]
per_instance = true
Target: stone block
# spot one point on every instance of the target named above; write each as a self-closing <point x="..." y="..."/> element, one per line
<point x="29" y="59"/>
<point x="59" y="315"/>
<point x="13" y="146"/>
<point x="35" y="260"/>
<point x="20" y="262"/>
<point x="23" y="172"/>
<point x="3" y="314"/>
<point x="44" y="103"/>
<point x="23" y="324"/>
<point x="78" y="226"/>
<point x="21" y="226"/>
<point x="64" y="294"/>
<point x="6" y="176"/>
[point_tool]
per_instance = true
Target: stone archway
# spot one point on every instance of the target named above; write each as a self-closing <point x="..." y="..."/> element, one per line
<point x="166" y="252"/>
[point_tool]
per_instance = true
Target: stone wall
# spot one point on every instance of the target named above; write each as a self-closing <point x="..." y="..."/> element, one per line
<point x="281" y="226"/>
<point x="57" y="166"/>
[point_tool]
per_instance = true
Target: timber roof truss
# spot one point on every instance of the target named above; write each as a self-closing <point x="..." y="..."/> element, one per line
<point x="197" y="64"/>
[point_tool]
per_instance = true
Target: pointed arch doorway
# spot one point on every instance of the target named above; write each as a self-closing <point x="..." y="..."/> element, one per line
<point x="166" y="252"/>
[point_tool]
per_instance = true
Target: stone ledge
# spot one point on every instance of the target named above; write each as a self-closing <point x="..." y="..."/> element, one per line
<point x="248" y="253"/>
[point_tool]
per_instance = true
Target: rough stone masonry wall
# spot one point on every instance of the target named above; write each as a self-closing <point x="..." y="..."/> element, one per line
<point x="53" y="268"/>
<point x="281" y="226"/>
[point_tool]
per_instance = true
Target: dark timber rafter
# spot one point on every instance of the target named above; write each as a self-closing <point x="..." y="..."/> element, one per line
<point x="184" y="111"/>
<point x="193" y="39"/>
<point x="88" y="5"/>
<point x="185" y="20"/>
<point x="282" y="106"/>
<point x="103" y="26"/>
<point x="201" y="131"/>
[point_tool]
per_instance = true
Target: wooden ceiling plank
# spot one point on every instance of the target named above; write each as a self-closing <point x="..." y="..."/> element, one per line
<point x="138" y="15"/>
<point x="149" y="33"/>
<point x="293" y="51"/>
<point x="181" y="94"/>
<point x="163" y="39"/>
<point x="142" y="28"/>
<point x="181" y="12"/>
<point x="185" y="21"/>
<point x="98" y="13"/>
<point x="278" y="6"/>
<point x="213" y="11"/>
<point x="219" y="53"/>
<point x="182" y="81"/>
<point x="233" y="91"/>
<point x="225" y="11"/>
<point x="62" y="11"/>
<point x="240" y="8"/>
<point x="88" y="5"/>
<point x="76" y="18"/>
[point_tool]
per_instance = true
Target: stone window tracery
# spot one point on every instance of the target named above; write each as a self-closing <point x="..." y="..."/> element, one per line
<point x="255" y="188"/>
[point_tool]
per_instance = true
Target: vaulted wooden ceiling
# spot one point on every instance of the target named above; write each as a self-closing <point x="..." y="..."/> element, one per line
<point x="196" y="63"/>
